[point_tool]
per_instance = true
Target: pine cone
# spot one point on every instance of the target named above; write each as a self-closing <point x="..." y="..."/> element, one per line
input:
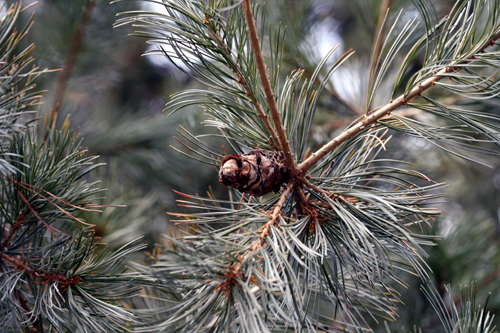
<point x="257" y="172"/>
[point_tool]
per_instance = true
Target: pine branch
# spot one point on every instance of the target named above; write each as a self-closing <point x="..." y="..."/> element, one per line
<point x="13" y="230"/>
<point x="42" y="276"/>
<point x="285" y="144"/>
<point x="245" y="84"/>
<point x="264" y="231"/>
<point x="379" y="113"/>
<point x="462" y="316"/>
<point x="334" y="125"/>
<point x="313" y="187"/>
<point x="32" y="210"/>
<point x="349" y="230"/>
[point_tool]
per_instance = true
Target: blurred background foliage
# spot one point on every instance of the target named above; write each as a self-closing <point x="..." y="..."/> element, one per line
<point x="114" y="97"/>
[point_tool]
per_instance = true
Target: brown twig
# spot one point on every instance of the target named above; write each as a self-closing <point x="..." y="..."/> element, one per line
<point x="71" y="62"/>
<point x="57" y="206"/>
<point x="261" y="66"/>
<point x="12" y="260"/>
<point x="314" y="187"/>
<point x="44" y="277"/>
<point x="52" y="229"/>
<point x="264" y="231"/>
<point x="379" y="113"/>
<point x="409" y="112"/>
<point x="19" y="221"/>
<point x="300" y="199"/>
<point x="17" y="225"/>
<point x="84" y="208"/>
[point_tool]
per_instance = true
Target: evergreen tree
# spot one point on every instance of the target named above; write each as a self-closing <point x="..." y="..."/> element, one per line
<point x="52" y="279"/>
<point x="310" y="239"/>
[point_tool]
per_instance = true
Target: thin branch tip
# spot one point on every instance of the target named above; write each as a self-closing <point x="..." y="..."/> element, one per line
<point x="375" y="115"/>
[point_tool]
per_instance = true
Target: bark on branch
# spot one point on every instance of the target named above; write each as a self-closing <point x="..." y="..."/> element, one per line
<point x="379" y="113"/>
<point x="264" y="231"/>
<point x="273" y="107"/>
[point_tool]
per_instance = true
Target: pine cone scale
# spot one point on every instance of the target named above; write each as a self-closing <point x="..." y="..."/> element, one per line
<point x="257" y="172"/>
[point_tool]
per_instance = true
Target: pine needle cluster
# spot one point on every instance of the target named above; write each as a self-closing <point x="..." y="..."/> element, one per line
<point x="322" y="254"/>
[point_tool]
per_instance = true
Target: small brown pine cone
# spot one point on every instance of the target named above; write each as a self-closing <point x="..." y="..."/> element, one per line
<point x="257" y="172"/>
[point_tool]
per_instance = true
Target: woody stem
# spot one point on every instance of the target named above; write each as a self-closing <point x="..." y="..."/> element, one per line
<point x="264" y="231"/>
<point x="313" y="187"/>
<point x="13" y="230"/>
<point x="300" y="198"/>
<point x="376" y="115"/>
<point x="273" y="107"/>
